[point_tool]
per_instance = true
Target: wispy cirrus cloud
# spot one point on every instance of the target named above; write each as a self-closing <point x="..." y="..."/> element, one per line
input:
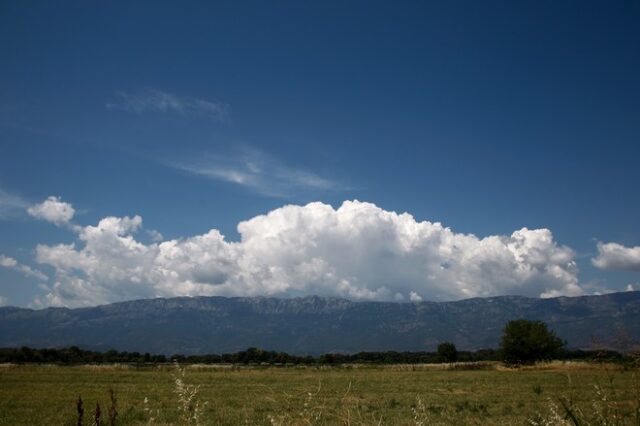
<point x="257" y="171"/>
<point x="11" y="263"/>
<point x="152" y="100"/>
<point x="11" y="205"/>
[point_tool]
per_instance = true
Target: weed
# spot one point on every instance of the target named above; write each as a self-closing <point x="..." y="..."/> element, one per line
<point x="80" y="410"/>
<point x="113" y="412"/>
<point x="96" y="415"/>
<point x="189" y="405"/>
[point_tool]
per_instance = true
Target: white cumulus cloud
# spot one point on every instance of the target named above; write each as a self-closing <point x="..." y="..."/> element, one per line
<point x="155" y="236"/>
<point x="614" y="256"/>
<point x="53" y="210"/>
<point x="11" y="263"/>
<point x="414" y="297"/>
<point x="357" y="251"/>
<point x="4" y="301"/>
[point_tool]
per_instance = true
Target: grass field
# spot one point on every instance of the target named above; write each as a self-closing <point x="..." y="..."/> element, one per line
<point x="355" y="395"/>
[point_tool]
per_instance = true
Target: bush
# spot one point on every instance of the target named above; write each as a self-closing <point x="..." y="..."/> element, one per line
<point x="525" y="342"/>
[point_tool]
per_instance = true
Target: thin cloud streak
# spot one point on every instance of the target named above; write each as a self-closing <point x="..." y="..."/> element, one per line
<point x="11" y="205"/>
<point x="11" y="263"/>
<point x="258" y="172"/>
<point x="153" y="100"/>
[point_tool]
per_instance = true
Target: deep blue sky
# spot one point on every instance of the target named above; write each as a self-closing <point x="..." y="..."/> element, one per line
<point x="485" y="116"/>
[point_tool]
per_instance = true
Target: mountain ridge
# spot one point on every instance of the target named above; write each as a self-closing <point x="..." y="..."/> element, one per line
<point x="315" y="324"/>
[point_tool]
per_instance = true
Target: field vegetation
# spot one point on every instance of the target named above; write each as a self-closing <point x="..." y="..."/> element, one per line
<point x="555" y="393"/>
<point x="516" y="384"/>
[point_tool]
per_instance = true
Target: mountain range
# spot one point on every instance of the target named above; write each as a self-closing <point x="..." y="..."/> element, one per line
<point x="314" y="325"/>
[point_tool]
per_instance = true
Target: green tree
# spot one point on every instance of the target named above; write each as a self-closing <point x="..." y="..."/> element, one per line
<point x="525" y="342"/>
<point x="447" y="352"/>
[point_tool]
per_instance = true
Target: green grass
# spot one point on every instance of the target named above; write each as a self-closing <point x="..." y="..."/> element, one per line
<point x="402" y="395"/>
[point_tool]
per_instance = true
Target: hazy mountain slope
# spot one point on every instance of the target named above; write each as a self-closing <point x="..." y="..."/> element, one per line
<point x="315" y="324"/>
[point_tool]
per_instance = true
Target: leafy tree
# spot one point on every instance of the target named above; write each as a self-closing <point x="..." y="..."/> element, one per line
<point x="447" y="352"/>
<point x="525" y="342"/>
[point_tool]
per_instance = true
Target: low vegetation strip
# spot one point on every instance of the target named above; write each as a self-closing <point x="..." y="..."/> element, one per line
<point x="75" y="355"/>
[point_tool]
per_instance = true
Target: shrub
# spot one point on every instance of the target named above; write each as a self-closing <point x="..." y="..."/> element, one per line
<point x="447" y="352"/>
<point x="525" y="342"/>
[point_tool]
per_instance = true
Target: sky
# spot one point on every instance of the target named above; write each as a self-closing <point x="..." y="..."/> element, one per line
<point x="396" y="151"/>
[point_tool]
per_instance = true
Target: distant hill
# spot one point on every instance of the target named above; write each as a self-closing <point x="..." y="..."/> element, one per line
<point x="314" y="325"/>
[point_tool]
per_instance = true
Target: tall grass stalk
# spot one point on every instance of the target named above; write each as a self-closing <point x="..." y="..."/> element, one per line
<point x="603" y="410"/>
<point x="189" y="405"/>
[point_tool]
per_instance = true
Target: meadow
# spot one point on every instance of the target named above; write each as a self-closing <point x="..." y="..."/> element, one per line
<point x="481" y="393"/>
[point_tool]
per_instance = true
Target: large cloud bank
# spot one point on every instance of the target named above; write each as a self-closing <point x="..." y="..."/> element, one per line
<point x="358" y="251"/>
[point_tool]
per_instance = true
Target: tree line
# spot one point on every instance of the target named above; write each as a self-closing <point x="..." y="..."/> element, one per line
<point x="522" y="342"/>
<point x="76" y="355"/>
